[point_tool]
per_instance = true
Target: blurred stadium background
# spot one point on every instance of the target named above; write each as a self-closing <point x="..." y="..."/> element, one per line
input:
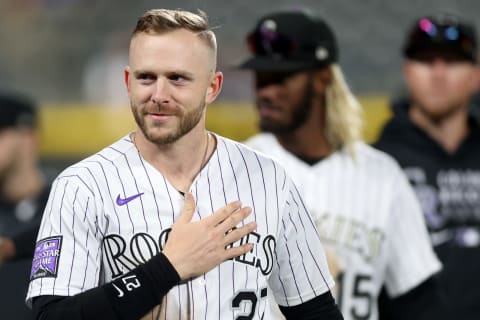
<point x="69" y="56"/>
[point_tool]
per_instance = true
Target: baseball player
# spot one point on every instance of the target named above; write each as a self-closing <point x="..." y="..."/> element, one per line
<point x="362" y="203"/>
<point x="115" y="242"/>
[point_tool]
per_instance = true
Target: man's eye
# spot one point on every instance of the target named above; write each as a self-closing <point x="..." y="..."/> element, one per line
<point x="145" y="76"/>
<point x="176" y="77"/>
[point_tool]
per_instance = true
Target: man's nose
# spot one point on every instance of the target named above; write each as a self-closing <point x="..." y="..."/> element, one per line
<point x="161" y="93"/>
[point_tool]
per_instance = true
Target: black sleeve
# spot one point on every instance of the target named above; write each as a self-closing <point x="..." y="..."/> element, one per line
<point x="25" y="242"/>
<point x="130" y="296"/>
<point x="321" y="307"/>
<point x="424" y="302"/>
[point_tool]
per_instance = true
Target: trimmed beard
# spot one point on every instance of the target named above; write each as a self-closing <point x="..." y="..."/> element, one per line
<point x="188" y="121"/>
<point x="300" y="114"/>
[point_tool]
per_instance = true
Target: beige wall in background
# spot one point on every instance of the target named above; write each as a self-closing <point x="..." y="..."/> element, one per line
<point x="79" y="130"/>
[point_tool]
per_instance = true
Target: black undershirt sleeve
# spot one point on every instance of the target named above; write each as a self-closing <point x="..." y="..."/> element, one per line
<point x="130" y="296"/>
<point x="426" y="301"/>
<point x="321" y="307"/>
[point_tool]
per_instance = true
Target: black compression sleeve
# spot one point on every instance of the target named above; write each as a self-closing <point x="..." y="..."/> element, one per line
<point x="130" y="296"/>
<point x="321" y="307"/>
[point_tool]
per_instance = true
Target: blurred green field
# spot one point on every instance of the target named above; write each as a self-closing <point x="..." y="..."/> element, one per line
<point x="72" y="131"/>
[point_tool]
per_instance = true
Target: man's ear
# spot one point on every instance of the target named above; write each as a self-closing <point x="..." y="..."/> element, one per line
<point x="214" y="87"/>
<point x="127" y="74"/>
<point x="321" y="79"/>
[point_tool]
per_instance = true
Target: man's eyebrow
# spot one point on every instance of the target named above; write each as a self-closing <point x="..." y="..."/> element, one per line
<point x="138" y="73"/>
<point x="184" y="73"/>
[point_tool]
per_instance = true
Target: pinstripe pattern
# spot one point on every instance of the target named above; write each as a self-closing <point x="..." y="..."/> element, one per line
<point x="366" y="210"/>
<point x="103" y="240"/>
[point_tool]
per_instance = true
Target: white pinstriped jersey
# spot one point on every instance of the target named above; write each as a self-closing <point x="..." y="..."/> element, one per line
<point x="366" y="210"/>
<point x="113" y="210"/>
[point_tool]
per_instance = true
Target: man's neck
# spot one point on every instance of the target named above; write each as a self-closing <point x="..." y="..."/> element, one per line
<point x="181" y="161"/>
<point x="311" y="144"/>
<point x="449" y="132"/>
<point x="309" y="140"/>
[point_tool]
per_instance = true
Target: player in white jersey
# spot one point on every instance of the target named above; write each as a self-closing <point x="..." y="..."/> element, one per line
<point x="115" y="242"/>
<point x="363" y="206"/>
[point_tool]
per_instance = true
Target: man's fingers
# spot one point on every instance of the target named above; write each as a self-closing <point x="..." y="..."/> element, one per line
<point x="239" y="233"/>
<point x="235" y="218"/>
<point x="224" y="212"/>
<point x="238" y="251"/>
<point x="188" y="209"/>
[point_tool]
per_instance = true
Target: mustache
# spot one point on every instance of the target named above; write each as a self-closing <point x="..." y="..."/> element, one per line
<point x="156" y="108"/>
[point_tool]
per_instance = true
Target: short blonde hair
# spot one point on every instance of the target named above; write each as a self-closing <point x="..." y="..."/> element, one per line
<point x="164" y="20"/>
<point x="344" y="115"/>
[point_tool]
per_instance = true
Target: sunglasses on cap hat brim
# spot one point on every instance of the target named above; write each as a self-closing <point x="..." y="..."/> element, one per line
<point x="277" y="52"/>
<point x="444" y="35"/>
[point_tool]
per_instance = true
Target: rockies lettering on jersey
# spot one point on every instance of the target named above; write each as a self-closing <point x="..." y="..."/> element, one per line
<point x="113" y="211"/>
<point x="352" y="234"/>
<point x="143" y="247"/>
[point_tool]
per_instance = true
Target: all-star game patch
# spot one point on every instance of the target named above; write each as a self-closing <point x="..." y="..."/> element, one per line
<point x="45" y="258"/>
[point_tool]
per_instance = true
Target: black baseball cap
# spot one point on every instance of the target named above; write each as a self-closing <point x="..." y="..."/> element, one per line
<point x="17" y="111"/>
<point x="445" y="32"/>
<point x="290" y="41"/>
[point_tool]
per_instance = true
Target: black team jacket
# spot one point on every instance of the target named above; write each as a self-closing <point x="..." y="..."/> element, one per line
<point x="448" y="187"/>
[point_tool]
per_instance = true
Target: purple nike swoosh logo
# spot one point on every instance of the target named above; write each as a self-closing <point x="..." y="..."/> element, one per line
<point x="124" y="201"/>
